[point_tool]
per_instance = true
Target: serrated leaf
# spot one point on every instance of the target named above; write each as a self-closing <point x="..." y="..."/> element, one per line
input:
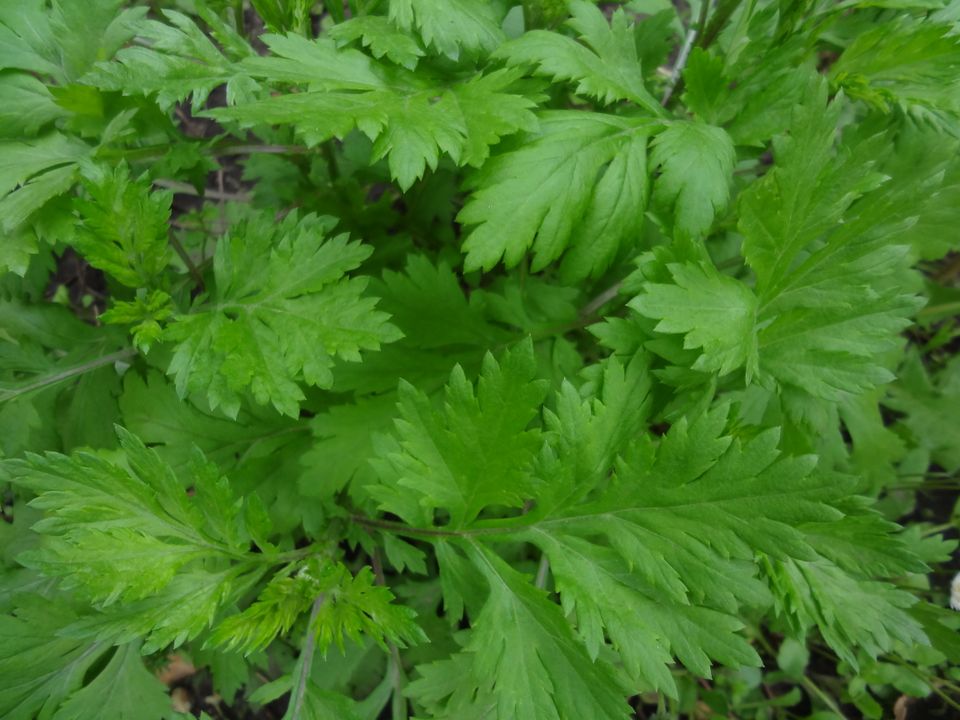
<point x="38" y="668"/>
<point x="261" y="335"/>
<point x="126" y="535"/>
<point x="853" y="615"/>
<point x="696" y="168"/>
<point x="714" y="312"/>
<point x="123" y="229"/>
<point x="605" y="66"/>
<point x="125" y="687"/>
<point x="830" y="303"/>
<point x="410" y="119"/>
<point x="526" y="658"/>
<point x="914" y="65"/>
<point x="475" y="452"/>
<point x="176" y="61"/>
<point x="354" y="605"/>
<point x="382" y="37"/>
<point x="32" y="172"/>
<point x="450" y="25"/>
<point x="579" y="184"/>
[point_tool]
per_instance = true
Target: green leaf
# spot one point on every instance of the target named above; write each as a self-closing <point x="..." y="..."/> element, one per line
<point x="32" y="172"/>
<point x="146" y="313"/>
<point x="854" y="615"/>
<point x="177" y="61"/>
<point x="829" y="280"/>
<point x="275" y="611"/>
<point x="410" y="118"/>
<point x="354" y="606"/>
<point x="25" y="105"/>
<point x="381" y="37"/>
<point x="55" y="367"/>
<point x="124" y="228"/>
<point x="605" y="66"/>
<point x="126" y="533"/>
<point x="590" y="428"/>
<point x="580" y="183"/>
<point x="172" y="426"/>
<point x="930" y="406"/>
<point x="476" y="451"/>
<point x="526" y="658"/>
<point x="696" y="168"/>
<point x="450" y="26"/>
<point x="38" y="668"/>
<point x="264" y="334"/>
<point x="125" y="687"/>
<point x="64" y="40"/>
<point x="803" y="196"/>
<point x="910" y="64"/>
<point x="714" y="312"/>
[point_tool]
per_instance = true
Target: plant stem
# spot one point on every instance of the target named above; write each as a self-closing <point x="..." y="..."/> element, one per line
<point x="224" y="147"/>
<point x="543" y="571"/>
<point x="950" y="307"/>
<point x="724" y="10"/>
<point x="183" y="188"/>
<point x="827" y="700"/>
<point x="602" y="299"/>
<point x="401" y="529"/>
<point x="6" y="395"/>
<point x="184" y="255"/>
<point x="299" y="692"/>
<point x="398" y="679"/>
<point x="675" y="82"/>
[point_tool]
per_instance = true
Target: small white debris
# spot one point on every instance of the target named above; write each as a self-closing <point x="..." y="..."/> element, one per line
<point x="955" y="592"/>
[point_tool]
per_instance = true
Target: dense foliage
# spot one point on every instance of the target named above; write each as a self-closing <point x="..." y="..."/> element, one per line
<point x="475" y="359"/>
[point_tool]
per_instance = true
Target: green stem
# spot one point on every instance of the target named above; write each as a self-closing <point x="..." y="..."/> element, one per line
<point x="398" y="678"/>
<point x="950" y="307"/>
<point x="187" y="260"/>
<point x="238" y="16"/>
<point x="725" y="9"/>
<point x="299" y="692"/>
<point x="89" y="366"/>
<point x="827" y="700"/>
<point x="223" y="148"/>
<point x="401" y="529"/>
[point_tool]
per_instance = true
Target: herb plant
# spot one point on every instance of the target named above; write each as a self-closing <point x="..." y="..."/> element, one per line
<point x="474" y="359"/>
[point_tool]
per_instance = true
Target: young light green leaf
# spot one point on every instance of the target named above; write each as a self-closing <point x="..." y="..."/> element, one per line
<point x="124" y="227"/>
<point x="355" y="607"/>
<point x="126" y="535"/>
